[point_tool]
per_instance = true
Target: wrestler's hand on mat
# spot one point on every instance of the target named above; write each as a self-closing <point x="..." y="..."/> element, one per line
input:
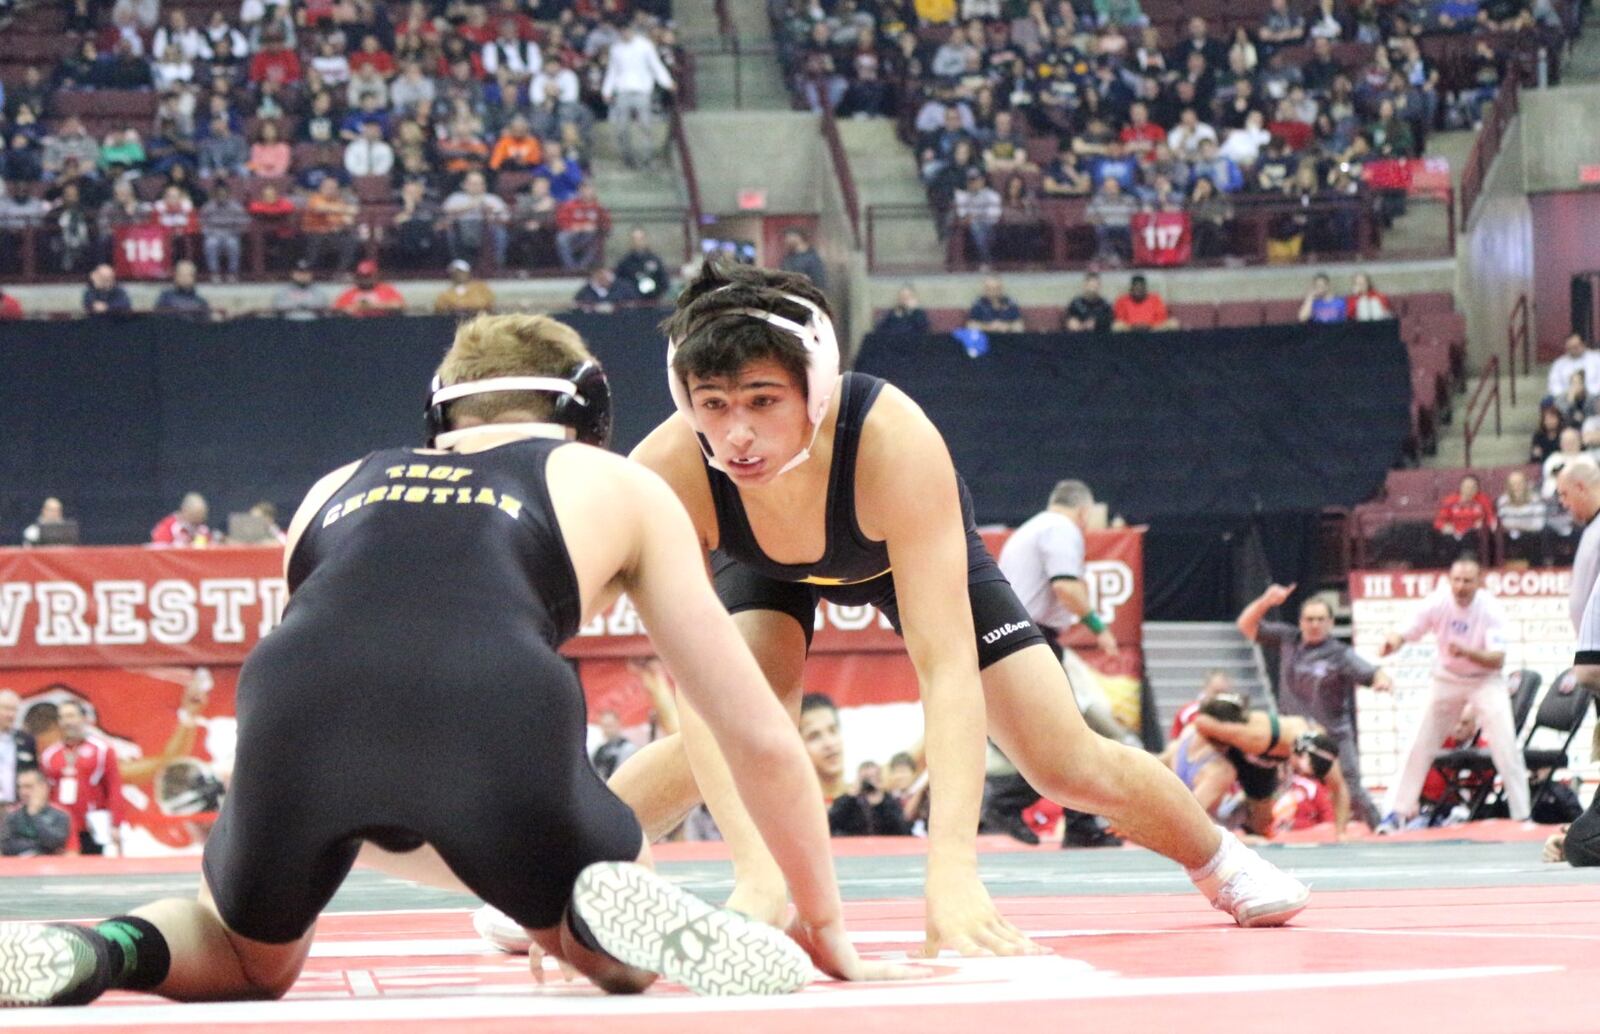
<point x="1555" y="848"/>
<point x="962" y="917"/>
<point x="831" y="951"/>
<point x="536" y="956"/>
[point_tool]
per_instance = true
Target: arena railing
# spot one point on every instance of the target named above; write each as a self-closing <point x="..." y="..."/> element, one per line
<point x="423" y="307"/>
<point x="1519" y="336"/>
<point x="1486" y="393"/>
<point x="270" y="251"/>
<point x="1061" y="237"/>
<point x="841" y="169"/>
<point x="1487" y="146"/>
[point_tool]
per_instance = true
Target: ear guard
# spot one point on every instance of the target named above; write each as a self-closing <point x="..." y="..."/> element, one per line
<point x="583" y="400"/>
<point x="1320" y="749"/>
<point x="822" y="372"/>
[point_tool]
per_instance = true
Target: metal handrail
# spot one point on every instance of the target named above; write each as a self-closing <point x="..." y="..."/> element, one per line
<point x="691" y="182"/>
<point x="1487" y="146"/>
<point x="1519" y="333"/>
<point x="1488" y="390"/>
<point x="841" y="168"/>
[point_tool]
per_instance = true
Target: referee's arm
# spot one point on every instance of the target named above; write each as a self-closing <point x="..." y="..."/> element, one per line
<point x="1249" y="620"/>
<point x="1074" y="595"/>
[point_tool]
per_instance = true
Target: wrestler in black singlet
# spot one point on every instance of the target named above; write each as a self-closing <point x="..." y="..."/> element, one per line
<point x="853" y="570"/>
<point x="413" y="694"/>
<point x="1259" y="774"/>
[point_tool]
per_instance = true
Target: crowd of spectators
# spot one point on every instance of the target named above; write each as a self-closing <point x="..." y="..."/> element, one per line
<point x="1139" y="309"/>
<point x="1013" y="104"/>
<point x="427" y="132"/>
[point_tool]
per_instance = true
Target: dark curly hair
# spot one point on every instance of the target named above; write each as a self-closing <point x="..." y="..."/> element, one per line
<point x="714" y="339"/>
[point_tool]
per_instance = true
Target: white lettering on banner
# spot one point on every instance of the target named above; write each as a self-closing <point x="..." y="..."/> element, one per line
<point x="62" y="606"/>
<point x="848" y="619"/>
<point x="274" y="594"/>
<point x="115" y="621"/>
<point x="1110" y="586"/>
<point x="228" y="596"/>
<point x="624" y="619"/>
<point x="173" y="620"/>
<point x="14" y="599"/>
<point x="1377" y="586"/>
<point x="112" y="612"/>
<point x="1538" y="636"/>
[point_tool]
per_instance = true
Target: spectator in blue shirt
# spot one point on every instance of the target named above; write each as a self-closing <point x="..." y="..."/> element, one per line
<point x="1218" y="168"/>
<point x="350" y="128"/>
<point x="994" y="312"/>
<point x="1322" y="305"/>
<point x="565" y="174"/>
<point x="1117" y="165"/>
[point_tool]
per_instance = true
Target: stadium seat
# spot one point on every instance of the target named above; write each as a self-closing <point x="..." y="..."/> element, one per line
<point x="1194" y="315"/>
<point x="1281" y="310"/>
<point x="1239" y="314"/>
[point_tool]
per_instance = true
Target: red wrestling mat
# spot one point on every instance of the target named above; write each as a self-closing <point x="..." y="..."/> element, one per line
<point x="1473" y="960"/>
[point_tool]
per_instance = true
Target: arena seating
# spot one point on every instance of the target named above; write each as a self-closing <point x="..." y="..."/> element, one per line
<point x="48" y="38"/>
<point x="1346" y="214"/>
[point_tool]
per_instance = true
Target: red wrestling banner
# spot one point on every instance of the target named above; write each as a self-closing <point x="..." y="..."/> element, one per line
<point x="1115" y="573"/>
<point x="129" y="606"/>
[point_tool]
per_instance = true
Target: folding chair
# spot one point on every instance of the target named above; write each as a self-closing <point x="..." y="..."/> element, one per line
<point x="1561" y="711"/>
<point x="1469" y="771"/>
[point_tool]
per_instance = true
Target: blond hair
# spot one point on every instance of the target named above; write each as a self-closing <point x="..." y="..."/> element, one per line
<point x="509" y="345"/>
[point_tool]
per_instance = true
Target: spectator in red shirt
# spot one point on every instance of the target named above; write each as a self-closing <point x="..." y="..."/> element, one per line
<point x="581" y="227"/>
<point x="1141" y="309"/>
<point x="1140" y="134"/>
<point x="1365" y="302"/>
<point x="1467" y="510"/>
<point x="83" y="774"/>
<point x="276" y="61"/>
<point x="372" y="54"/>
<point x="186" y="528"/>
<point x="1463" y="519"/>
<point x="370" y="296"/>
<point x="175" y="211"/>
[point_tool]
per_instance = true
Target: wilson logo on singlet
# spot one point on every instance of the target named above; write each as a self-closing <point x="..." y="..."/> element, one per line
<point x="990" y="638"/>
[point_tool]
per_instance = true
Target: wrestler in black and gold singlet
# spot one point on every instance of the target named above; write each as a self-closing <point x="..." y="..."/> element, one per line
<point x="413" y="694"/>
<point x="853" y="569"/>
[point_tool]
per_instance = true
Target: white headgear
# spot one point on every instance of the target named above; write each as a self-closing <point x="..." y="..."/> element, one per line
<point x="822" y="372"/>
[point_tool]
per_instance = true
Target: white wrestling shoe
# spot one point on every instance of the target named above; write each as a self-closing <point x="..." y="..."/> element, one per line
<point x="501" y="931"/>
<point x="1250" y="888"/>
<point x="47" y="965"/>
<point x="647" y="922"/>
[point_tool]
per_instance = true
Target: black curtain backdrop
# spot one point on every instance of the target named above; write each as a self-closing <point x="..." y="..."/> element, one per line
<point x="1225" y="442"/>
<point x="120" y="417"/>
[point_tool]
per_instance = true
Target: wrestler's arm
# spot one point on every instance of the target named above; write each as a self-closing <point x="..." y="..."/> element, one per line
<point x="718" y="676"/>
<point x="1216" y="777"/>
<point x="1251" y="735"/>
<point x="907" y="495"/>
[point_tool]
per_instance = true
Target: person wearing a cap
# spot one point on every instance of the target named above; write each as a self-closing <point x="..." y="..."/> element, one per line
<point x="369" y="296"/>
<point x="301" y="298"/>
<point x="465" y="294"/>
